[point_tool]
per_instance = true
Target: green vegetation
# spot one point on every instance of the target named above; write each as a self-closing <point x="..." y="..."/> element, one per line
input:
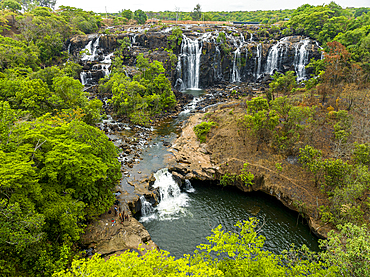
<point x="279" y="122"/>
<point x="245" y="176"/>
<point x="55" y="172"/>
<point x="240" y="254"/>
<point x="265" y="16"/>
<point x="58" y="172"/>
<point x="175" y="39"/>
<point x="140" y="16"/>
<point x="146" y="95"/>
<point x="202" y="129"/>
<point x="196" y="14"/>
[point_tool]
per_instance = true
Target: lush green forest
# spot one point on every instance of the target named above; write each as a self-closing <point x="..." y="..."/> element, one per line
<point x="58" y="170"/>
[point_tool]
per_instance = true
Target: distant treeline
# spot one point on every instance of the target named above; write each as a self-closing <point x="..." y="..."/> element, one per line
<point x="264" y="17"/>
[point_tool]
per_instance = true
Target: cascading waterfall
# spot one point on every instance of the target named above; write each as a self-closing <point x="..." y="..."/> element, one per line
<point x="146" y="207"/>
<point x="301" y="60"/>
<point x="235" y="76"/>
<point x="258" y="61"/>
<point x="92" y="48"/>
<point x="172" y="201"/>
<point x="217" y="64"/>
<point x="87" y="77"/>
<point x="106" y="63"/>
<point x="275" y="56"/>
<point x="188" y="186"/>
<point x="190" y="56"/>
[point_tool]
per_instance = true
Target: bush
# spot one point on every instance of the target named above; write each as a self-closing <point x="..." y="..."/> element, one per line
<point x="203" y="129"/>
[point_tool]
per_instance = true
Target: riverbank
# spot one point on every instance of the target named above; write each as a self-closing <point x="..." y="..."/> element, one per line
<point x="228" y="148"/>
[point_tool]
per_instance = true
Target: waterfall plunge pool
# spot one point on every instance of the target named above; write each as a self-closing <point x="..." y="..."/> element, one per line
<point x="183" y="219"/>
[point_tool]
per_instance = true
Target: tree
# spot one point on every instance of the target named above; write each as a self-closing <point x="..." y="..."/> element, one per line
<point x="348" y="250"/>
<point x="140" y="16"/>
<point x="127" y="14"/>
<point x="11" y="5"/>
<point x="196" y="14"/>
<point x="55" y="172"/>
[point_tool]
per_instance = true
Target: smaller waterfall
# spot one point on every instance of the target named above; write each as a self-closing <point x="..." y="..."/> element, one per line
<point x="235" y="76"/>
<point x="172" y="201"/>
<point x="217" y="64"/>
<point x="251" y="38"/>
<point x="146" y="207"/>
<point x="190" y="56"/>
<point x="92" y="48"/>
<point x="69" y="49"/>
<point x="272" y="59"/>
<point x="188" y="186"/>
<point x="301" y="60"/>
<point x="106" y="63"/>
<point x="276" y="56"/>
<point x="258" y="61"/>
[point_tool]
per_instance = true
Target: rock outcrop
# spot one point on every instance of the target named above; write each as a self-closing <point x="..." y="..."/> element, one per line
<point x="109" y="235"/>
<point x="239" y="55"/>
<point x="226" y="151"/>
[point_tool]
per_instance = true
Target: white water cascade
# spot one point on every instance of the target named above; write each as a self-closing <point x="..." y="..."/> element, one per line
<point x="258" y="61"/>
<point x="146" y="207"/>
<point x="89" y="77"/>
<point x="188" y="186"/>
<point x="301" y="60"/>
<point x="275" y="56"/>
<point x="92" y="49"/>
<point x="190" y="57"/>
<point x="235" y="75"/>
<point x="172" y="201"/>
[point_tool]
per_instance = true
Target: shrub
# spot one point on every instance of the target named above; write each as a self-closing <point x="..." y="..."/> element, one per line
<point x="202" y="129"/>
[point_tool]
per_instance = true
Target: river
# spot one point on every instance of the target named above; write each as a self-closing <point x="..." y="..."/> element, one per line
<point x="181" y="223"/>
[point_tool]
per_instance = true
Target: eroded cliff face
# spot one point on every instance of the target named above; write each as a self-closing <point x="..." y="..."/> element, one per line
<point x="227" y="150"/>
<point x="206" y="56"/>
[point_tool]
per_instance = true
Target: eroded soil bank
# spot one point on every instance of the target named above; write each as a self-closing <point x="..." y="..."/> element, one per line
<point x="228" y="148"/>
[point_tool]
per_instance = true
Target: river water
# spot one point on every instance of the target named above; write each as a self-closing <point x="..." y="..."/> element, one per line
<point x="184" y="219"/>
<point x="180" y="229"/>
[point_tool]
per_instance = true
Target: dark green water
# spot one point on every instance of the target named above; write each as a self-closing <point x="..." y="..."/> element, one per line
<point x="179" y="232"/>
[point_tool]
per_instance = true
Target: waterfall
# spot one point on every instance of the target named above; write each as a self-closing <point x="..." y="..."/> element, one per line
<point x="146" y="207"/>
<point x="301" y="60"/>
<point x="92" y="48"/>
<point x="106" y="63"/>
<point x="235" y="76"/>
<point x="172" y="201"/>
<point x="188" y="186"/>
<point x="251" y="39"/>
<point x="217" y="67"/>
<point x="275" y="56"/>
<point x="190" y="57"/>
<point x="258" y="61"/>
<point x="83" y="78"/>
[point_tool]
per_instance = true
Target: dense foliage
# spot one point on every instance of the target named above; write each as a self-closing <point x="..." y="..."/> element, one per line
<point x="56" y="171"/>
<point x="147" y="94"/>
<point x="240" y="254"/>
